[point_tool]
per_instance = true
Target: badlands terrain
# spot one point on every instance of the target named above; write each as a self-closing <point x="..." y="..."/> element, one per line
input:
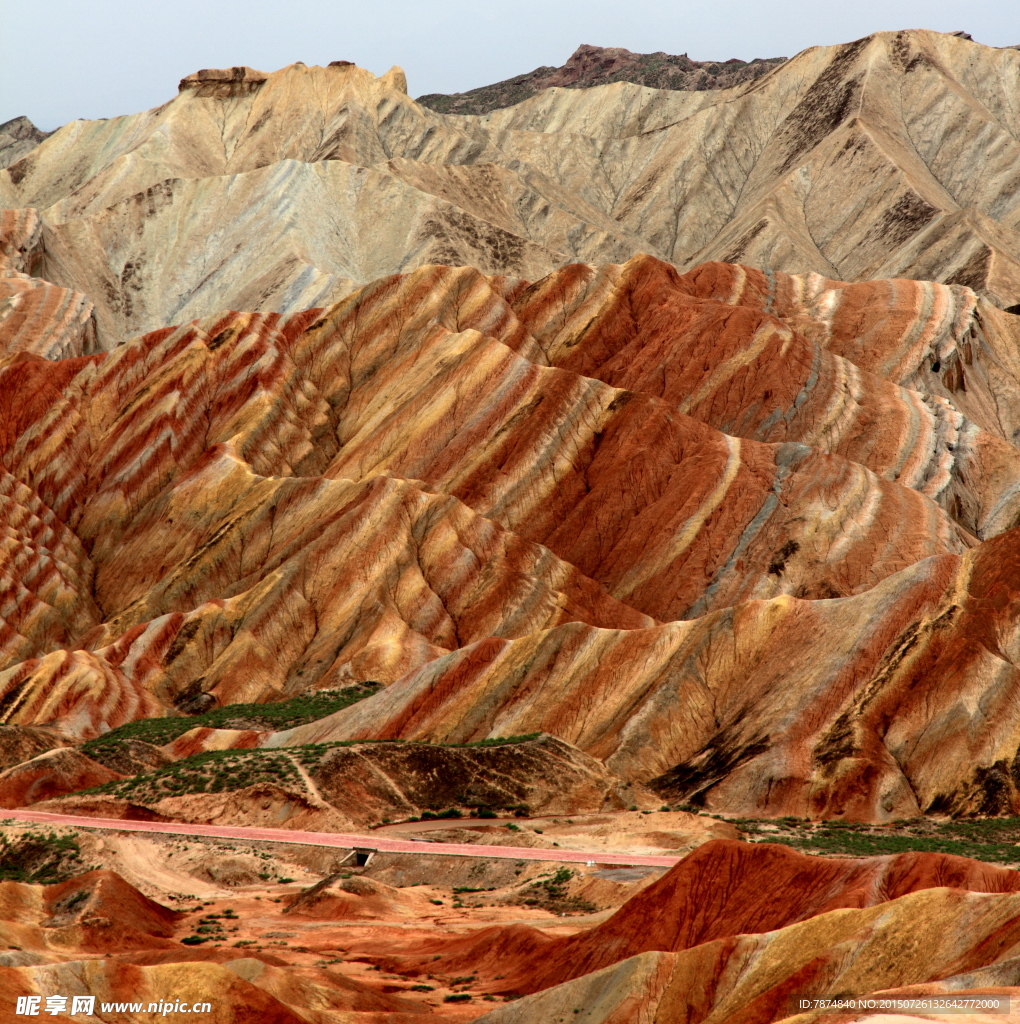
<point x="589" y="66"/>
<point x="624" y="482"/>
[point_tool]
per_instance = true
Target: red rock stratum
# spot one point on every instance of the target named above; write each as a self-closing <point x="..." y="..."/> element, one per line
<point x="722" y="890"/>
<point x="711" y="528"/>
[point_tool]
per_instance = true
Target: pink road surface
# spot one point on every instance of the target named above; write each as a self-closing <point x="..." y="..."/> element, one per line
<point x="341" y="840"/>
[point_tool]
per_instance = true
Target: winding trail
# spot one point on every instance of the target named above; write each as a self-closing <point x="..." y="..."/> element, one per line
<point x="342" y="840"/>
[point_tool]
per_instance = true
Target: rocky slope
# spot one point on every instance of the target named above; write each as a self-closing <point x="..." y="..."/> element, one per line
<point x="589" y="66"/>
<point x="500" y="498"/>
<point x="852" y="161"/>
<point x="18" y="137"/>
<point x="721" y="890"/>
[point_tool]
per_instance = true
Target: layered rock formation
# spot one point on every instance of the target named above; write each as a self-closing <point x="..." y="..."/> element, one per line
<point x="589" y="66"/>
<point x="18" y="137"/>
<point x="788" y="706"/>
<point x="499" y="497"/>
<point x="570" y="505"/>
<point x="851" y="161"/>
<point x="38" y="317"/>
<point x="667" y="441"/>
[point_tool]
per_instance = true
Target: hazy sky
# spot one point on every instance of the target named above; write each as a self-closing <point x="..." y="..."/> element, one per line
<point x="62" y="59"/>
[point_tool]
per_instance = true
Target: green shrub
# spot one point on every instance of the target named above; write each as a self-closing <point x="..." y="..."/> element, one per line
<point x="42" y="858"/>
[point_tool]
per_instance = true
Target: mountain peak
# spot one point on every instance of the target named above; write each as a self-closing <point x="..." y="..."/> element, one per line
<point x="592" y="65"/>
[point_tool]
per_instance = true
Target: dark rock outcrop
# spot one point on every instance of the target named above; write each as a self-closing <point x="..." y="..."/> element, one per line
<point x="601" y="65"/>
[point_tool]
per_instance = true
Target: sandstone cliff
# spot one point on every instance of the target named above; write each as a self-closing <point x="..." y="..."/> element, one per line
<point x="18" y="137"/>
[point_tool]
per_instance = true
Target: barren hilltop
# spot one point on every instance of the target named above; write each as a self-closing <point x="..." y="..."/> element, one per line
<point x="588" y="66"/>
<point x="620" y="487"/>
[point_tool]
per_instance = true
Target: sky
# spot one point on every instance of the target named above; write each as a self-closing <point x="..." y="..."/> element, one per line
<point x="66" y="59"/>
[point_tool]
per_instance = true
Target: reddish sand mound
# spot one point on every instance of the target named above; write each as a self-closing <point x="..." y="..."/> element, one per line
<point x="49" y="775"/>
<point x="230" y="998"/>
<point x="105" y="894"/>
<point x="341" y="899"/>
<point x="100" y="806"/>
<point x="729" y="888"/>
<point x="308" y="989"/>
<point x="96" y="912"/>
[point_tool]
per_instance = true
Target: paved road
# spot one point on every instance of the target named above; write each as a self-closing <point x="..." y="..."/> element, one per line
<point x="342" y="840"/>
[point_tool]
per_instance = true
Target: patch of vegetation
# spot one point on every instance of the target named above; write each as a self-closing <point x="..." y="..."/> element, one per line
<point x="209" y="929"/>
<point x="42" y="858"/>
<point x="311" y="753"/>
<point x="459" y="997"/>
<point x="550" y="893"/>
<point x="285" y="714"/>
<point x="212" y="771"/>
<point x="216" y="771"/>
<point x="76" y="900"/>
<point x="994" y="840"/>
<point x="432" y="816"/>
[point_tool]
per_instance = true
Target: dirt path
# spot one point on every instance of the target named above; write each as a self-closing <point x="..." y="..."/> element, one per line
<point x="447" y="823"/>
<point x="341" y="840"/>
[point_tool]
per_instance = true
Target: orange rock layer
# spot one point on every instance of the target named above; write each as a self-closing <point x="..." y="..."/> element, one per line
<point x="720" y="529"/>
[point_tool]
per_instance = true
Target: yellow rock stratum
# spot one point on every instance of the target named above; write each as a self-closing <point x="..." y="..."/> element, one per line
<point x="281" y="191"/>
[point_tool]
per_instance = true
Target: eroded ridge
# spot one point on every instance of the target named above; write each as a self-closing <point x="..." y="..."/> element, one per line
<point x="667" y="518"/>
<point x="854" y="162"/>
